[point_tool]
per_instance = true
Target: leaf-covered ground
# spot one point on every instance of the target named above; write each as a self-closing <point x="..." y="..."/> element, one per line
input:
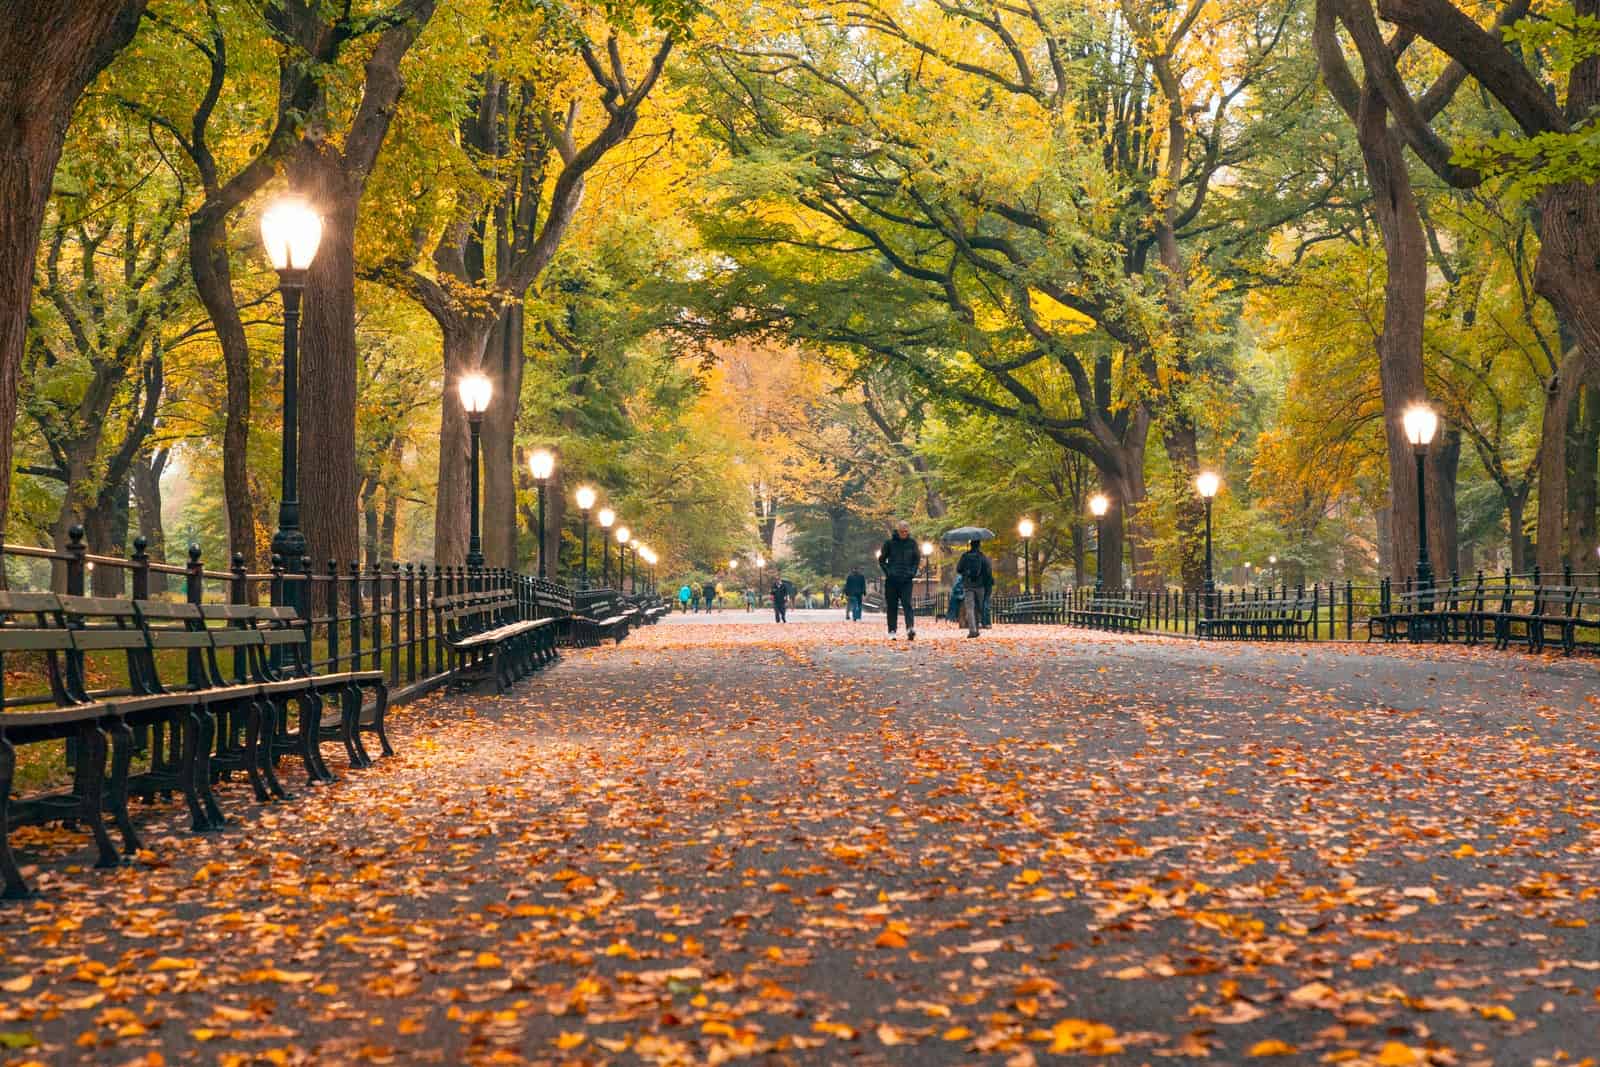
<point x="811" y="845"/>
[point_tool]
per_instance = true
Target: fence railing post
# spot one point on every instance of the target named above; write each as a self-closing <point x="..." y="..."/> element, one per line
<point x="333" y="616"/>
<point x="394" y="622"/>
<point x="238" y="593"/>
<point x="194" y="580"/>
<point x="355" y="616"/>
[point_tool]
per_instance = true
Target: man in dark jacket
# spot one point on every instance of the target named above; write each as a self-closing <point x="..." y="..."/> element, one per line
<point x="855" y="589"/>
<point x="780" y="598"/>
<point x="899" y="559"/>
<point x="710" y="592"/>
<point x="971" y="569"/>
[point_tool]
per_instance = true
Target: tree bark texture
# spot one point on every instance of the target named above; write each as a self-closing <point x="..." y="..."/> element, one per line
<point x="49" y="52"/>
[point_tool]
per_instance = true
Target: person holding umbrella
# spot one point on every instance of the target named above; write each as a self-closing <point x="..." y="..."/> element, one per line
<point x="972" y="570"/>
<point x="900" y="559"/>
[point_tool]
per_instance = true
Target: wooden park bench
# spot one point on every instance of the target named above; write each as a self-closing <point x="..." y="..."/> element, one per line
<point x="607" y="612"/>
<point x="489" y="639"/>
<point x="1108" y="613"/>
<point x="1582" y="616"/>
<point x="1033" y="609"/>
<point x="1256" y="619"/>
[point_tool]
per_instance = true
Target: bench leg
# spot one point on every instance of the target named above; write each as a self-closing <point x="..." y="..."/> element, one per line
<point x="16" y="888"/>
<point x="209" y="726"/>
<point x="270" y="712"/>
<point x="92" y="748"/>
<point x="121" y="761"/>
<point x="310" y="738"/>
<point x="252" y="751"/>
<point x="380" y="712"/>
<point x="350" y="727"/>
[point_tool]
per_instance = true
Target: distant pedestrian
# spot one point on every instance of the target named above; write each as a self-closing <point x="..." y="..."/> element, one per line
<point x="986" y="584"/>
<point x="971" y="569"/>
<point x="855" y="591"/>
<point x="685" y="595"/>
<point x="900" y="559"/>
<point x="749" y="600"/>
<point x="711" y="596"/>
<point x="780" y="599"/>
<point x="957" y="590"/>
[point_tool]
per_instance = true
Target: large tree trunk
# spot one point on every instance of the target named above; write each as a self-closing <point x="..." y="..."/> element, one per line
<point x="213" y="282"/>
<point x="147" y="471"/>
<point x="1516" y="505"/>
<point x="1394" y="206"/>
<point x="1183" y="451"/>
<point x="1559" y="400"/>
<point x="1583" y="491"/>
<point x="1444" y="462"/>
<point x="106" y="532"/>
<point x="463" y="352"/>
<point x="503" y="362"/>
<point x="49" y="52"/>
<point x="328" y="480"/>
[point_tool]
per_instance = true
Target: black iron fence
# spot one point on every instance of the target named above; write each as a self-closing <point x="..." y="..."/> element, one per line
<point x="1336" y="611"/>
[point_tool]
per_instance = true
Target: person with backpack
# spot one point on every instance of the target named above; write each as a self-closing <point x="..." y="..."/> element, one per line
<point x="900" y="559"/>
<point x="855" y="591"/>
<point x="685" y="595"/>
<point x="971" y="570"/>
<point x="710" y="592"/>
<point x="780" y="598"/>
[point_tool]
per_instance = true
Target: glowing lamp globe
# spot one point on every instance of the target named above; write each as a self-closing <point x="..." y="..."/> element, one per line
<point x="475" y="390"/>
<point x="542" y="464"/>
<point x="1099" y="504"/>
<point x="624" y="535"/>
<point x="1207" y="484"/>
<point x="606" y="517"/>
<point x="586" y="497"/>
<point x="290" y="232"/>
<point x="1421" y="422"/>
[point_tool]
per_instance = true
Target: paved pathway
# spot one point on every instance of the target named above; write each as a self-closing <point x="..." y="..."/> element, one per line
<point x="810" y="845"/>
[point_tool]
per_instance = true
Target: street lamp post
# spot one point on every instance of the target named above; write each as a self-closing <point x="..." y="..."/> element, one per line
<point x="542" y="464"/>
<point x="1025" y="531"/>
<point x="607" y="517"/>
<point x="624" y="535"/>
<point x="927" y="570"/>
<point x="586" y="498"/>
<point x="1099" y="504"/>
<point x="475" y="390"/>
<point x="1421" y="422"/>
<point x="291" y="231"/>
<point x="1207" y="484"/>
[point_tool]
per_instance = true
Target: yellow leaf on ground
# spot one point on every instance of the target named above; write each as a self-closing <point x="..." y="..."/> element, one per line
<point x="1272" y="1047"/>
<point x="1394" y="1054"/>
<point x="890" y="939"/>
<point x="570" y="1040"/>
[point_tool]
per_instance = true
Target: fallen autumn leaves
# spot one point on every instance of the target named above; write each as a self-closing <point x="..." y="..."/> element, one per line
<point x="807" y="844"/>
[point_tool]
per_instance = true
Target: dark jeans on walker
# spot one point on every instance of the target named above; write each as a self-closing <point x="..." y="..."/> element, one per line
<point x="897" y="594"/>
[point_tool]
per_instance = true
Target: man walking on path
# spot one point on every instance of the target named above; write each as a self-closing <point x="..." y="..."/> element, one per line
<point x="711" y="596"/>
<point x="855" y="589"/>
<point x="900" y="558"/>
<point x="780" y="599"/>
<point x="971" y="569"/>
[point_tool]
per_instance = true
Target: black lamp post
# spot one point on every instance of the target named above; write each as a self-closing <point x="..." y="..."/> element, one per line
<point x="542" y="464"/>
<point x="927" y="570"/>
<point x="586" y="498"/>
<point x="1025" y="531"/>
<point x="475" y="390"/>
<point x="1099" y="504"/>
<point x="1421" y="423"/>
<point x="1207" y="484"/>
<point x="624" y="535"/>
<point x="607" y="517"/>
<point x="291" y="231"/>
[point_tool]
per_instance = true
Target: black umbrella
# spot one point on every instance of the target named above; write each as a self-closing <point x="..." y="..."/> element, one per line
<point x="962" y="534"/>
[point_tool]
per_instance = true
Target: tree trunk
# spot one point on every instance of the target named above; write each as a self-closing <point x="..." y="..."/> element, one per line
<point x="213" y="282"/>
<point x="463" y="352"/>
<point x="1079" y="555"/>
<point x="147" y="471"/>
<point x="49" y="52"/>
<point x="1582" y="490"/>
<point x="389" y="529"/>
<point x="503" y="362"/>
<point x="106" y="533"/>
<point x="1559" y="400"/>
<point x="1394" y="206"/>
<point x="1516" y="506"/>
<point x="1109" y="548"/>
<point x="1183" y="451"/>
<point x="328" y="480"/>
<point x="369" y="524"/>
<point x="1444" y="462"/>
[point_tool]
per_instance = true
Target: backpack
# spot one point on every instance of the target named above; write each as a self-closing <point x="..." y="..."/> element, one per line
<point x="971" y="567"/>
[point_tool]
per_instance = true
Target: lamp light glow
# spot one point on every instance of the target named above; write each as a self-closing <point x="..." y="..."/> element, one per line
<point x="927" y="548"/>
<point x="1421" y="422"/>
<point x="1207" y="484"/>
<point x="475" y="390"/>
<point x="542" y="464"/>
<point x="291" y="230"/>
<point x="1099" y="504"/>
<point x="586" y="497"/>
<point x="624" y="535"/>
<point x="607" y="517"/>
<point x="1025" y="528"/>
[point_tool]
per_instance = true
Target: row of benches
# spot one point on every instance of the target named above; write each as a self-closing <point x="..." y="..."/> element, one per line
<point x="212" y="722"/>
<point x="1474" y="612"/>
<point x="204" y="690"/>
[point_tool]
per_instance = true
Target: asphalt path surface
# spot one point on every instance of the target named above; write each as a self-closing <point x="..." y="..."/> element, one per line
<point x="807" y="843"/>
